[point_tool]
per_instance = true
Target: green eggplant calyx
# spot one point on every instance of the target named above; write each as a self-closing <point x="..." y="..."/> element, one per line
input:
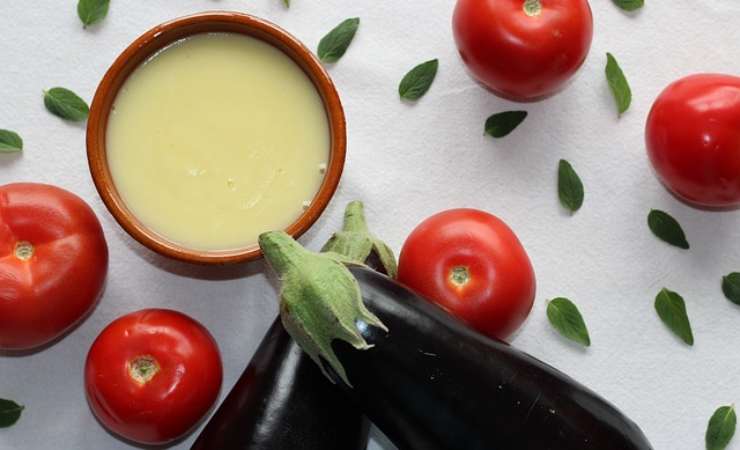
<point x="356" y="243"/>
<point x="320" y="300"/>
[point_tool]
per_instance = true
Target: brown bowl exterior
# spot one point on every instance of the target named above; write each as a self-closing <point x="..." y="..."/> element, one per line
<point x="158" y="38"/>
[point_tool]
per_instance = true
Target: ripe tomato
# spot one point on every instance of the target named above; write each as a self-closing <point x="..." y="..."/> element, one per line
<point x="472" y="264"/>
<point x="523" y="50"/>
<point x="152" y="375"/>
<point x="693" y="139"/>
<point x="53" y="262"/>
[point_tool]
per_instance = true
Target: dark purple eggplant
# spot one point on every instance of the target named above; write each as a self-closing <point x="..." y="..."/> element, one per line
<point x="432" y="383"/>
<point x="426" y="380"/>
<point x="282" y="402"/>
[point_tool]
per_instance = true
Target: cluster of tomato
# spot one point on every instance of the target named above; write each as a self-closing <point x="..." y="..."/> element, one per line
<point x="528" y="50"/>
<point x="471" y="263"/>
<point x="150" y="376"/>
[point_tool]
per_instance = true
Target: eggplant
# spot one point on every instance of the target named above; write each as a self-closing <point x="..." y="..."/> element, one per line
<point x="424" y="378"/>
<point x="282" y="402"/>
<point x="432" y="383"/>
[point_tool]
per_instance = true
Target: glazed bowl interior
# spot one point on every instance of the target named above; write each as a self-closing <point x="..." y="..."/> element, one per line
<point x="148" y="45"/>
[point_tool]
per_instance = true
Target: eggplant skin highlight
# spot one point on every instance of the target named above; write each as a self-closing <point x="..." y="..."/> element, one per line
<point x="431" y="383"/>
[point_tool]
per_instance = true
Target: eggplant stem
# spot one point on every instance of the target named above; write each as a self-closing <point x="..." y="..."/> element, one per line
<point x="320" y="300"/>
<point x="356" y="243"/>
<point x="354" y="218"/>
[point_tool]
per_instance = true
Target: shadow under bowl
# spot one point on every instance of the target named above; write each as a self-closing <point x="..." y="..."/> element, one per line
<point x="160" y="37"/>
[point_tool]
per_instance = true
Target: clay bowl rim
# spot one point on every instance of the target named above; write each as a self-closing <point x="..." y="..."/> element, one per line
<point x="147" y="45"/>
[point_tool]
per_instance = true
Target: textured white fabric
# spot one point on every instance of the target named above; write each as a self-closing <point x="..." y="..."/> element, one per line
<point x="407" y="161"/>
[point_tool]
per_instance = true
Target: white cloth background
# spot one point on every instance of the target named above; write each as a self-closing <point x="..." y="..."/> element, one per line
<point x="407" y="162"/>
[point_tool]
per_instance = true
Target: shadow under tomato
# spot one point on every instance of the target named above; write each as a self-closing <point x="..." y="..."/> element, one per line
<point x="522" y="101"/>
<point x="717" y="209"/>
<point x="61" y="337"/>
<point x="177" y="441"/>
<point x="7" y="159"/>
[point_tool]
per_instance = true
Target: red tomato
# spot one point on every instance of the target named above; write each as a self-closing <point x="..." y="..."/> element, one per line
<point x="53" y="262"/>
<point x="152" y="375"/>
<point x="693" y="139"/>
<point x="472" y="264"/>
<point x="523" y="50"/>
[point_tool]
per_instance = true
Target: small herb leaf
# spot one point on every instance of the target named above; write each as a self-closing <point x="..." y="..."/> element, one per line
<point x="335" y="44"/>
<point x="570" y="187"/>
<point x="721" y="428"/>
<point x="567" y="320"/>
<point x="731" y="287"/>
<point x="672" y="311"/>
<point x="503" y="123"/>
<point x="10" y="412"/>
<point x="629" y="5"/>
<point x="665" y="227"/>
<point x="92" y="11"/>
<point x="417" y="82"/>
<point x="66" y="104"/>
<point x="618" y="84"/>
<point x="10" y="142"/>
<point x="286" y="3"/>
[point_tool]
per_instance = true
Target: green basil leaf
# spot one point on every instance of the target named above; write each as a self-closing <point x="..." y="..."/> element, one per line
<point x="567" y="320"/>
<point x="731" y="287"/>
<point x="721" y="428"/>
<point x="417" y="82"/>
<point x="92" y="11"/>
<point x="286" y="3"/>
<point x="66" y="104"/>
<point x="10" y="142"/>
<point x="570" y="187"/>
<point x="618" y="84"/>
<point x="10" y="412"/>
<point x="334" y="45"/>
<point x="629" y="5"/>
<point x="665" y="227"/>
<point x="672" y="311"/>
<point x="503" y="123"/>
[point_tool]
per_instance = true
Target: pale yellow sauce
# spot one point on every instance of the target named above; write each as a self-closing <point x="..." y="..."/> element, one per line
<point x="216" y="139"/>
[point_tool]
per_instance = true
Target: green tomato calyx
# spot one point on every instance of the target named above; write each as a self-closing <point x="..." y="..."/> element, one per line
<point x="24" y="250"/>
<point x="459" y="276"/>
<point x="532" y="8"/>
<point x="143" y="368"/>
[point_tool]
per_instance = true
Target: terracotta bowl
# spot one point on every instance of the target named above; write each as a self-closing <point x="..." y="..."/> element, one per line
<point x="163" y="35"/>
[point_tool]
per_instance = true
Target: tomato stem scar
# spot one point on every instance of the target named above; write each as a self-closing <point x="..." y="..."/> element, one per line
<point x="532" y="7"/>
<point x="459" y="276"/>
<point x="23" y="250"/>
<point x="143" y="368"/>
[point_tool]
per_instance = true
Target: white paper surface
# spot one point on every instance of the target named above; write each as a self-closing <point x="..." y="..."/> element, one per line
<point x="408" y="161"/>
